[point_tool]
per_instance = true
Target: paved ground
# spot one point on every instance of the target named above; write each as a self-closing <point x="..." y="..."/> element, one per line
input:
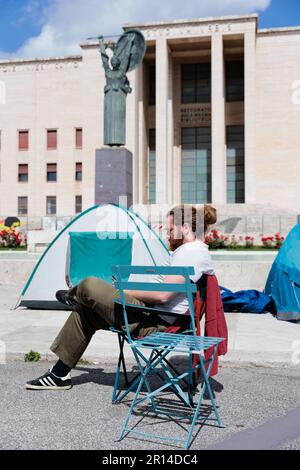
<point x="265" y="400"/>
<point x="257" y="339"/>
<point x="258" y="388"/>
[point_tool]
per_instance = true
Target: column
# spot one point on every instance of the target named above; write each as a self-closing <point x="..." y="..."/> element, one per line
<point x="142" y="137"/>
<point x="177" y="196"/>
<point x="218" y="121"/>
<point x="132" y="131"/>
<point x="250" y="140"/>
<point x="170" y="124"/>
<point x="161" y="120"/>
<point x="136" y="139"/>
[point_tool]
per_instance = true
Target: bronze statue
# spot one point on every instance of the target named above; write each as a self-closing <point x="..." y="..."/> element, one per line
<point x="128" y="53"/>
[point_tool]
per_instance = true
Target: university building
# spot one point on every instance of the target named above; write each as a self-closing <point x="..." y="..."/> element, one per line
<point x="214" y="116"/>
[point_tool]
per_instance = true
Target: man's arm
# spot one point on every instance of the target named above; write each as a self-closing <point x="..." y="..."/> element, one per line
<point x="153" y="297"/>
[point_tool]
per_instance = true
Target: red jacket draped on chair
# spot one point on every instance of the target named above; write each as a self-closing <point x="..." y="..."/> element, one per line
<point x="215" y="322"/>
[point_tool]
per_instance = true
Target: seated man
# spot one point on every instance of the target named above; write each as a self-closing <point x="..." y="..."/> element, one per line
<point x="93" y="298"/>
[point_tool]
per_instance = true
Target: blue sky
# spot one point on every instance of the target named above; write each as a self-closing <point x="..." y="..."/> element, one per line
<point x="55" y="27"/>
<point x="16" y="25"/>
<point x="280" y="13"/>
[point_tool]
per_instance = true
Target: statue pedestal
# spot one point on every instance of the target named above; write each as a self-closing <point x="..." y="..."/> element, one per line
<point x="113" y="176"/>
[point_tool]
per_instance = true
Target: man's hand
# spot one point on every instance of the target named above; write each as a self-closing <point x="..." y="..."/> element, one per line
<point x="157" y="297"/>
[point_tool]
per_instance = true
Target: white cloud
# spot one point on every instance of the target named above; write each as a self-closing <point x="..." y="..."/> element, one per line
<point x="65" y="23"/>
<point x="32" y="11"/>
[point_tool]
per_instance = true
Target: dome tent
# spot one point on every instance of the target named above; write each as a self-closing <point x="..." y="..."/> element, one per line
<point x="283" y="283"/>
<point x="90" y="245"/>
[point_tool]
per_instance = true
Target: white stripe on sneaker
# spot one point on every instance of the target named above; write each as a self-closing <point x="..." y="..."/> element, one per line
<point x="47" y="382"/>
<point x="42" y="383"/>
<point x="51" y="381"/>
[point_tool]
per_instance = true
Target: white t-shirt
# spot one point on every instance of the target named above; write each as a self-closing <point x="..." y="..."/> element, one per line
<point x="194" y="254"/>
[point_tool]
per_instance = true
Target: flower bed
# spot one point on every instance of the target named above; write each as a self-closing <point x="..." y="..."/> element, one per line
<point x="273" y="242"/>
<point x="12" y="238"/>
<point x="217" y="241"/>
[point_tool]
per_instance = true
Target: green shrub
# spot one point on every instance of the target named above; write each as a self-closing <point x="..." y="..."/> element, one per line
<point x="32" y="356"/>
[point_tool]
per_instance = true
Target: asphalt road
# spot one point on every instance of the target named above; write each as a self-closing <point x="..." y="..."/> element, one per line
<point x="259" y="406"/>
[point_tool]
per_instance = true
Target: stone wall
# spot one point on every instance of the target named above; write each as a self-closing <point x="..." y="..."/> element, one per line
<point x="234" y="275"/>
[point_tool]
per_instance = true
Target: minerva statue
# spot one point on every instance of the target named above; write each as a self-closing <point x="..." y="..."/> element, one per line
<point x="128" y="53"/>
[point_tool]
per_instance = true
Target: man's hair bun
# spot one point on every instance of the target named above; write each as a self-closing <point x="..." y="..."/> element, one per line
<point x="210" y="215"/>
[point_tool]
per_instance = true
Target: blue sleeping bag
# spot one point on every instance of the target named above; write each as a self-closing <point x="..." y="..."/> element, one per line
<point x="246" y="301"/>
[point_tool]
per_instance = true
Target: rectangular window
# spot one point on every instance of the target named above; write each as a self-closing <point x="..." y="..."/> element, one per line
<point x="23" y="173"/>
<point x="51" y="139"/>
<point x="152" y="85"/>
<point x="78" y="204"/>
<point x="78" y="172"/>
<point x="152" y="167"/>
<point x="196" y="165"/>
<point x="51" y="172"/>
<point x="196" y="83"/>
<point x="235" y="164"/>
<point x="78" y="138"/>
<point x="51" y="205"/>
<point x="22" y="205"/>
<point x="234" y="80"/>
<point x="23" y="140"/>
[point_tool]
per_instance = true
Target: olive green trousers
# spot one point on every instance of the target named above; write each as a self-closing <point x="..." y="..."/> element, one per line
<point x="96" y="311"/>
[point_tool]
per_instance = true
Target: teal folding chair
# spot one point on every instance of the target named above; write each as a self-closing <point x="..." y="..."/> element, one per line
<point x="167" y="343"/>
<point x="120" y="391"/>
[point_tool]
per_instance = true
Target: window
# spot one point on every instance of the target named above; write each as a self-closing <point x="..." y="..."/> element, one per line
<point x="23" y="173"/>
<point x="51" y="172"/>
<point x="23" y="140"/>
<point x="22" y="205"/>
<point x="51" y="205"/>
<point x="152" y="85"/>
<point x="235" y="80"/>
<point x="235" y="164"/>
<point x="51" y="139"/>
<point x="78" y="138"/>
<point x="78" y="204"/>
<point x="196" y="83"/>
<point x="78" y="172"/>
<point x="196" y="165"/>
<point x="152" y="167"/>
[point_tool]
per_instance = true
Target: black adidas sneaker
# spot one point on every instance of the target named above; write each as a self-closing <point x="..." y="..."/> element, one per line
<point x="49" y="381"/>
<point x="64" y="297"/>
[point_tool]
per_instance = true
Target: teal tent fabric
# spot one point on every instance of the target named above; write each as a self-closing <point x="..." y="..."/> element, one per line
<point x="283" y="282"/>
<point x="94" y="253"/>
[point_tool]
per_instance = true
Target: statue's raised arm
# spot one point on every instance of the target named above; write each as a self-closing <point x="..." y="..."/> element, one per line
<point x="104" y="56"/>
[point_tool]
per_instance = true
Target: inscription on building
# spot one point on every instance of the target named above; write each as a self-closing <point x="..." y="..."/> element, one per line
<point x="38" y="67"/>
<point x="190" y="30"/>
<point x="191" y="115"/>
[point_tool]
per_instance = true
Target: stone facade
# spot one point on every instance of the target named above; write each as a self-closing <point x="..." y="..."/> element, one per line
<point x="67" y="93"/>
